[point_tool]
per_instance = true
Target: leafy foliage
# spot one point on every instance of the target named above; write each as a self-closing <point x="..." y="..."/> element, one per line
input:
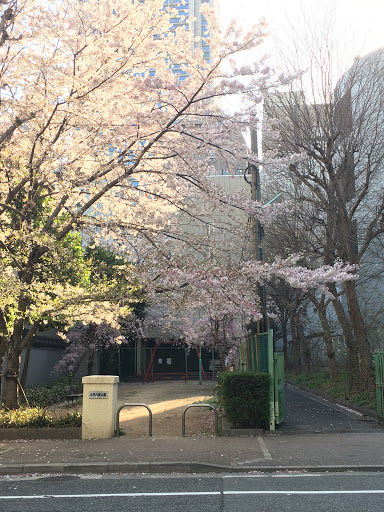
<point x="71" y="419"/>
<point x="37" y="417"/>
<point x="106" y="266"/>
<point x="104" y="263"/>
<point x="337" y="389"/>
<point x="245" y="398"/>
<point x="25" y="417"/>
<point x="44" y="396"/>
<point x="314" y="380"/>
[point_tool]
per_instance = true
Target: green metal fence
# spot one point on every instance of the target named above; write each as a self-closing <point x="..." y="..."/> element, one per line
<point x="256" y="354"/>
<point x="279" y="383"/>
<point x="132" y="362"/>
<point x="379" y="372"/>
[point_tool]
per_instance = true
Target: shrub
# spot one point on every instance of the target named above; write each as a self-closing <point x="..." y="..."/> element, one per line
<point x="44" y="396"/>
<point x="312" y="380"/>
<point x="25" y="417"/>
<point x="245" y="398"/>
<point x="37" y="417"/>
<point x="71" y="419"/>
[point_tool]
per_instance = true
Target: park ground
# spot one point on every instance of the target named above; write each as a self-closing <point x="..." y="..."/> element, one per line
<point x="167" y="400"/>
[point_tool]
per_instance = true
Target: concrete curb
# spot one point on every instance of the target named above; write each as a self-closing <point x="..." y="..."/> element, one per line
<point x="173" y="467"/>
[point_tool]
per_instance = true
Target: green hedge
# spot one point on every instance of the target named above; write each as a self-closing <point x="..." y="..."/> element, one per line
<point x="245" y="398"/>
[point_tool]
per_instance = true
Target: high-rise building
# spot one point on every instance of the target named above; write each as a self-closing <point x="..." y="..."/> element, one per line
<point x="189" y="15"/>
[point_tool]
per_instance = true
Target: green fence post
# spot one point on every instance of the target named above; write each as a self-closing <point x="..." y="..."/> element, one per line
<point x="379" y="374"/>
<point x="271" y="380"/>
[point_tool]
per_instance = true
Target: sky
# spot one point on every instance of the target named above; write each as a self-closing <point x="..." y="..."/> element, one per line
<point x="359" y="27"/>
<point x="359" y="23"/>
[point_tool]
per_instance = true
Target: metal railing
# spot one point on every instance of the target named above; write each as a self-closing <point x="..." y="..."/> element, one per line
<point x="133" y="405"/>
<point x="200" y="405"/>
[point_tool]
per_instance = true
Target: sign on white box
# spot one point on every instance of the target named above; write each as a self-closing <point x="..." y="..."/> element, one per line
<point x="98" y="394"/>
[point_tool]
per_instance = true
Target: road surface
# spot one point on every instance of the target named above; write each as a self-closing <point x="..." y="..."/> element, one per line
<point x="323" y="492"/>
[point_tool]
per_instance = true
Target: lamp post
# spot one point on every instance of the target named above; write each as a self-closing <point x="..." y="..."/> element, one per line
<point x="257" y="229"/>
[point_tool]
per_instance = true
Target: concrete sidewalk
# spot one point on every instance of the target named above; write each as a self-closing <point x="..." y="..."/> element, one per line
<point x="318" y="435"/>
<point x="311" y="452"/>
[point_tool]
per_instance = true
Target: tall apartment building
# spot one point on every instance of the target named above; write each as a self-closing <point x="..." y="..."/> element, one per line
<point x="189" y="15"/>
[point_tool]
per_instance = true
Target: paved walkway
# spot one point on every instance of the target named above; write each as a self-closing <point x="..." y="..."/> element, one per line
<point x="308" y="413"/>
<point x="358" y="447"/>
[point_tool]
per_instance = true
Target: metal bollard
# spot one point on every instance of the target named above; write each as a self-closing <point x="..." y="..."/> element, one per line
<point x="200" y="405"/>
<point x="133" y="405"/>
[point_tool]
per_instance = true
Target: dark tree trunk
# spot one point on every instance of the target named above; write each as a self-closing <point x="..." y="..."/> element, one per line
<point x="24" y="374"/>
<point x="90" y="363"/>
<point x="11" y="376"/>
<point x="3" y="351"/>
<point x="353" y="367"/>
<point x="304" y="344"/>
<point x="285" y="341"/>
<point x="295" y="345"/>
<point x="16" y="344"/>
<point x="322" y="312"/>
<point x="357" y="322"/>
<point x="221" y="354"/>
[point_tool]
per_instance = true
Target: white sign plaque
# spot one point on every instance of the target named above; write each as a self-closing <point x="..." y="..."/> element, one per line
<point x="98" y="394"/>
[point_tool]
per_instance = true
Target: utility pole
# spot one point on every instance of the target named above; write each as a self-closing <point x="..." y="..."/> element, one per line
<point x="256" y="196"/>
<point x="257" y="231"/>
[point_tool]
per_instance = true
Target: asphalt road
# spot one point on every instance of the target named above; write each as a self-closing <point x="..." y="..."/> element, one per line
<point x="311" y="414"/>
<point x="352" y="492"/>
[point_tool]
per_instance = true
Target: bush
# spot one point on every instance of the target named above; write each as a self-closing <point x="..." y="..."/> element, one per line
<point x="37" y="417"/>
<point x="44" y="396"/>
<point x="245" y="398"/>
<point x="71" y="419"/>
<point x="25" y="417"/>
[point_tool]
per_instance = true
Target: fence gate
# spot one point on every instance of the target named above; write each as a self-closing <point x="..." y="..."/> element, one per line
<point x="379" y="373"/>
<point x="256" y="354"/>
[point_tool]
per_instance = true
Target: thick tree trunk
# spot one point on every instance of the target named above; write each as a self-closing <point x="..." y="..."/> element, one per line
<point x="218" y="345"/>
<point x="304" y="344"/>
<point x="16" y="344"/>
<point x="321" y="308"/>
<point x="321" y="311"/>
<point x="24" y="374"/>
<point x="11" y="376"/>
<point x="357" y="322"/>
<point x="295" y="345"/>
<point x="221" y="355"/>
<point x="3" y="351"/>
<point x="353" y="367"/>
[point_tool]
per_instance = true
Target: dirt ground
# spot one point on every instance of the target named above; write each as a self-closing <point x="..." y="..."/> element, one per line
<point x="167" y="401"/>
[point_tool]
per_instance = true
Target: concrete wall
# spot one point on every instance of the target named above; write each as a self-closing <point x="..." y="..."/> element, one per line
<point x="41" y="363"/>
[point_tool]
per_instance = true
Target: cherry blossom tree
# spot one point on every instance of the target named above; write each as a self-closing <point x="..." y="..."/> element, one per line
<point x="109" y="121"/>
<point x="332" y="114"/>
<point x="84" y="341"/>
<point x="213" y="303"/>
